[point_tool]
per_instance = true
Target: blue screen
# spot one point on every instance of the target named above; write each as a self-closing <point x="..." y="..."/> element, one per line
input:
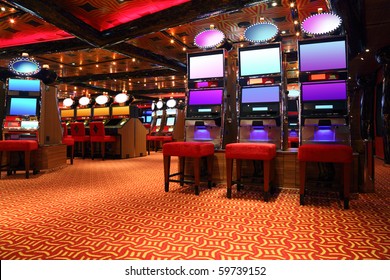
<point x="24" y="85"/>
<point x="148" y="119"/>
<point x="23" y="106"/>
<point x="260" y="94"/>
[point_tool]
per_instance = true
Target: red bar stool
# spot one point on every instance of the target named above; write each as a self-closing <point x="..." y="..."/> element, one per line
<point x="195" y="150"/>
<point x="98" y="135"/>
<point x="157" y="139"/>
<point x="77" y="131"/>
<point x="68" y="141"/>
<point x="25" y="146"/>
<point x="326" y="153"/>
<point x="249" y="151"/>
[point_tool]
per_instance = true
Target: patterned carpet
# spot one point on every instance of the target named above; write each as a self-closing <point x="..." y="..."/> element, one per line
<point x="117" y="209"/>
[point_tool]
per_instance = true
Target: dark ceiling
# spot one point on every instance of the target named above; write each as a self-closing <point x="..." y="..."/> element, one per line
<point x="141" y="45"/>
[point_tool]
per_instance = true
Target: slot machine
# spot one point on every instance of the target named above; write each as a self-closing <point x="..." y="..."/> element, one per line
<point x="124" y="122"/>
<point x="260" y="100"/>
<point x="101" y="108"/>
<point x="158" y="117"/>
<point x="67" y="111"/>
<point x="84" y="110"/>
<point x="293" y="122"/>
<point x="173" y="121"/>
<point x="23" y="109"/>
<point x="324" y="87"/>
<point x="205" y="108"/>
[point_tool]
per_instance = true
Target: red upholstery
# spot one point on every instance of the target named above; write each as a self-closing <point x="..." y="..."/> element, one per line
<point x="18" y="145"/>
<point x="292" y="140"/>
<point x="254" y="151"/>
<point x="249" y="151"/>
<point x="163" y="138"/>
<point x="25" y="146"/>
<point x="188" y="149"/>
<point x="68" y="140"/>
<point x="98" y="134"/>
<point x="195" y="150"/>
<point x="77" y="130"/>
<point x="325" y="153"/>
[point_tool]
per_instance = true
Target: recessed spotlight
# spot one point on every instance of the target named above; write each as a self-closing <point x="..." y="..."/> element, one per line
<point x="2" y="9"/>
<point x="12" y="20"/>
<point x="367" y="50"/>
<point x="283" y="31"/>
<point x="362" y="58"/>
<point x="274" y="4"/>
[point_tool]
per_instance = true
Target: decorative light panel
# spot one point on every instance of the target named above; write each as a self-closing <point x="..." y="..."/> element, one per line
<point x="121" y="98"/>
<point x="210" y="38"/>
<point x="24" y="66"/>
<point x="102" y="99"/>
<point x="68" y="102"/>
<point x="320" y="24"/>
<point x="84" y="100"/>
<point x="171" y="103"/>
<point x="261" y="32"/>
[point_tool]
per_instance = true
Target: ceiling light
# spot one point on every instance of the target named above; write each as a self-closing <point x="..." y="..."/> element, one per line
<point x="2" y="9"/>
<point x="12" y="20"/>
<point x="367" y="50"/>
<point x="274" y="4"/>
<point x="292" y="4"/>
<point x="362" y="58"/>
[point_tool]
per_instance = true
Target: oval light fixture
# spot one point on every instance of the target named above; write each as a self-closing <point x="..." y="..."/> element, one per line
<point x="210" y="38"/>
<point x="24" y="66"/>
<point x="160" y="104"/>
<point x="153" y="106"/>
<point x="101" y="99"/>
<point x="121" y="98"/>
<point x="68" y="102"/>
<point x="320" y="24"/>
<point x="171" y="103"/>
<point x="84" y="100"/>
<point x="261" y="32"/>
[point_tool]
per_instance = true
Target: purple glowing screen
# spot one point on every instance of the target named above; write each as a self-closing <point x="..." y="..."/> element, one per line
<point x="324" y="91"/>
<point x="260" y="94"/>
<point x="321" y="23"/>
<point x="209" y="38"/>
<point x="257" y="61"/>
<point x="205" y="97"/>
<point x="206" y="66"/>
<point x="322" y="56"/>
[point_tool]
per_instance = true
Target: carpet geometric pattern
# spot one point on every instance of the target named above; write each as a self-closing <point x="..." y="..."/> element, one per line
<point x="117" y="209"/>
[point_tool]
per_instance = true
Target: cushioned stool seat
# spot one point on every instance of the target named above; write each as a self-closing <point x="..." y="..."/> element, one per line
<point x="249" y="151"/>
<point x="25" y="146"/>
<point x="326" y="153"/>
<point x="157" y="139"/>
<point x="183" y="150"/>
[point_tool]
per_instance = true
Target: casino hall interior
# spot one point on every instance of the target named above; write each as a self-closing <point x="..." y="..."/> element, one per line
<point x="195" y="130"/>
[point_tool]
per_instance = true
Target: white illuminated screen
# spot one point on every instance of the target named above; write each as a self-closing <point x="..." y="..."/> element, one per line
<point x="158" y="122"/>
<point x="259" y="61"/>
<point x="170" y="121"/>
<point x="207" y="66"/>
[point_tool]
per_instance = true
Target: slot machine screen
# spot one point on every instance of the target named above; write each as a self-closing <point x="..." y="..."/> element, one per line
<point x="259" y="60"/>
<point x="322" y="55"/>
<point x="23" y="106"/>
<point x="85" y="112"/>
<point x="24" y="85"/>
<point x="120" y="110"/>
<point x="67" y="113"/>
<point x="170" y="121"/>
<point x="335" y="90"/>
<point x="101" y="111"/>
<point x="148" y="119"/>
<point x="206" y="65"/>
<point x="260" y="94"/>
<point x="158" y="122"/>
<point x="205" y="97"/>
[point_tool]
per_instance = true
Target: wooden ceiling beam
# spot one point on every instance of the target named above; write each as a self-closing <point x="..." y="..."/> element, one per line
<point x="121" y="75"/>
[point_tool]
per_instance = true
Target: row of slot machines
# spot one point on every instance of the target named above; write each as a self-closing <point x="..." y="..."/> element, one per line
<point x="166" y="119"/>
<point x="319" y="114"/>
<point x="120" y="120"/>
